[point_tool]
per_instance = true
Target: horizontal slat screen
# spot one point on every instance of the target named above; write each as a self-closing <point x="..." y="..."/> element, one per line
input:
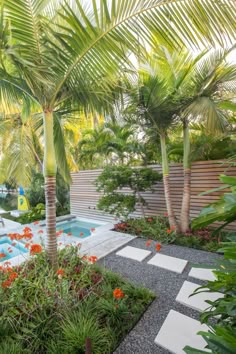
<point x="205" y="176"/>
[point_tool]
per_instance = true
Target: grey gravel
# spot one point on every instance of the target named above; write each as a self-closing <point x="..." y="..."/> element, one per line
<point x="165" y="284"/>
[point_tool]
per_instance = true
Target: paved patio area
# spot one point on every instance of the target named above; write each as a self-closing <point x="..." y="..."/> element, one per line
<point x="171" y="315"/>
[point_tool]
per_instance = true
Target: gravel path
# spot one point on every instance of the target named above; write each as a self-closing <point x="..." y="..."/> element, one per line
<point x="165" y="284"/>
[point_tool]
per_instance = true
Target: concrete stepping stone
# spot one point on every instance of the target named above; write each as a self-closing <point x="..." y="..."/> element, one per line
<point x="178" y="331"/>
<point x="198" y="301"/>
<point x="202" y="274"/>
<point x="171" y="263"/>
<point x="137" y="254"/>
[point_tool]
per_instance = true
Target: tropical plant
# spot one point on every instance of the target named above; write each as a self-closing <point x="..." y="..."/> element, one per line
<point x="113" y="179"/>
<point x="61" y="56"/>
<point x="223" y="210"/>
<point x="221" y="337"/>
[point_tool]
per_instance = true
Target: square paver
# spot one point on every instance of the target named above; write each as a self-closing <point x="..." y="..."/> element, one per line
<point x="198" y="301"/>
<point x="137" y="254"/>
<point x="178" y="331"/>
<point x="202" y="273"/>
<point x="171" y="263"/>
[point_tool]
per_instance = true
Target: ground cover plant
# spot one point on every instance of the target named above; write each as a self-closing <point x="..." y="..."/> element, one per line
<point x="157" y="228"/>
<point x="54" y="311"/>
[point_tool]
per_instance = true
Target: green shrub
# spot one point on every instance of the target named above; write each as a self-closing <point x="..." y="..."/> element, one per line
<point x="221" y="339"/>
<point x="44" y="311"/>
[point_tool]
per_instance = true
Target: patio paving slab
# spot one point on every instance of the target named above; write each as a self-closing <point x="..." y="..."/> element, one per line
<point x="198" y="301"/>
<point x="178" y="331"/>
<point x="134" y="253"/>
<point x="174" y="264"/>
<point x="202" y="274"/>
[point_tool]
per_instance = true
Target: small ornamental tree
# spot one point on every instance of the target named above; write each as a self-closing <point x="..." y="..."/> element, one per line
<point x="112" y="182"/>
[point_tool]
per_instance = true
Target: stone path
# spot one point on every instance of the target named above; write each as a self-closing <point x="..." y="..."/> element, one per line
<point x="172" y="320"/>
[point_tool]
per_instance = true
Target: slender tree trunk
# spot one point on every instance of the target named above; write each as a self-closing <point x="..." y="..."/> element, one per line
<point x="165" y="172"/>
<point x="50" y="170"/>
<point x="185" y="210"/>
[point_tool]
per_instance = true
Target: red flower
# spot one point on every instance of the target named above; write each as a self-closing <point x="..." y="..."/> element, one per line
<point x="93" y="259"/>
<point x="13" y="244"/>
<point x="92" y="229"/>
<point x="36" y="248"/>
<point x="166" y="214"/>
<point x="81" y="234"/>
<point x="150" y="219"/>
<point x="148" y="243"/>
<point x="6" y="284"/>
<point x="7" y="263"/>
<point x="78" y="245"/>
<point x="60" y="272"/>
<point x="27" y="229"/>
<point x="27" y="245"/>
<point x="118" y="293"/>
<point x="40" y="232"/>
<point x="158" y="247"/>
<point x="172" y="228"/>
<point x="2" y="255"/>
<point x="36" y="222"/>
<point x="69" y="234"/>
<point x="13" y="276"/>
<point x="10" y="251"/>
<point x="168" y="231"/>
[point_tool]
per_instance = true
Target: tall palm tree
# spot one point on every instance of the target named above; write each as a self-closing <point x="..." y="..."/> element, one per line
<point x="211" y="78"/>
<point x="62" y="58"/>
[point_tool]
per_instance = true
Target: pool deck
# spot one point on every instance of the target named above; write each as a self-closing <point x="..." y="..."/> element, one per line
<point x="102" y="241"/>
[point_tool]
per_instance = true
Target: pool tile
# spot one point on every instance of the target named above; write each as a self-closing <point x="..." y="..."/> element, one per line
<point x="173" y="264"/>
<point x="178" y="331"/>
<point x="198" y="301"/>
<point x="134" y="253"/>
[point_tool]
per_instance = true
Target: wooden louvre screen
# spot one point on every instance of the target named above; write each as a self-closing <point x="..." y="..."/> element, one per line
<point x="205" y="176"/>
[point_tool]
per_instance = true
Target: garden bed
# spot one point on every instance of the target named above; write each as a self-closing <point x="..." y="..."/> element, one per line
<point x="55" y="311"/>
<point x="158" y="229"/>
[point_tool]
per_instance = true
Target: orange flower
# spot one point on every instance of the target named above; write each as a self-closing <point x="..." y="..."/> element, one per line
<point x="7" y="263"/>
<point x="168" y="231"/>
<point x="27" y="245"/>
<point x="7" y="269"/>
<point x="158" y="247"/>
<point x="93" y="259"/>
<point x="148" y="243"/>
<point x="13" y="276"/>
<point x="27" y="229"/>
<point x="81" y="234"/>
<point x="92" y="229"/>
<point x="36" y="248"/>
<point x="40" y="232"/>
<point x="3" y="255"/>
<point x="13" y="244"/>
<point x="150" y="219"/>
<point x="118" y="293"/>
<point x="36" y="222"/>
<point x="6" y="284"/>
<point x="60" y="272"/>
<point x="69" y="234"/>
<point x="172" y="228"/>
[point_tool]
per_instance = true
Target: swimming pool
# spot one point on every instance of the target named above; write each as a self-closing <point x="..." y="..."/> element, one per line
<point x="10" y="249"/>
<point x="78" y="228"/>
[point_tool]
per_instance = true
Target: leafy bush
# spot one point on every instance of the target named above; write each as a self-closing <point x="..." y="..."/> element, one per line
<point x="48" y="311"/>
<point x="222" y="335"/>
<point x="113" y="179"/>
<point x="157" y="228"/>
<point x="9" y="202"/>
<point x="36" y="213"/>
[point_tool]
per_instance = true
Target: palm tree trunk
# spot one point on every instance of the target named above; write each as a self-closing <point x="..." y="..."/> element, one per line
<point x="50" y="169"/>
<point x="166" y="182"/>
<point x="185" y="210"/>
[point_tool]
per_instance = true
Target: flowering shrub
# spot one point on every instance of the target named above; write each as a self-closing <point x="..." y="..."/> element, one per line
<point x="157" y="228"/>
<point x="54" y="311"/>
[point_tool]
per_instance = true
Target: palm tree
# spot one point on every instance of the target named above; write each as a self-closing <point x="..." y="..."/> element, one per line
<point x="211" y="78"/>
<point x="68" y="58"/>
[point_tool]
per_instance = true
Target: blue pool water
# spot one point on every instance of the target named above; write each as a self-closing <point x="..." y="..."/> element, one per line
<point x="78" y="228"/>
<point x="9" y="250"/>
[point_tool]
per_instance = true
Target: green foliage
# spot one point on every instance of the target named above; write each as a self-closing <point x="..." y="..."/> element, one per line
<point x="35" y="192"/>
<point x="223" y="210"/>
<point x="45" y="312"/>
<point x="113" y="179"/>
<point x="36" y="213"/>
<point x="222" y="336"/>
<point x="8" y="202"/>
